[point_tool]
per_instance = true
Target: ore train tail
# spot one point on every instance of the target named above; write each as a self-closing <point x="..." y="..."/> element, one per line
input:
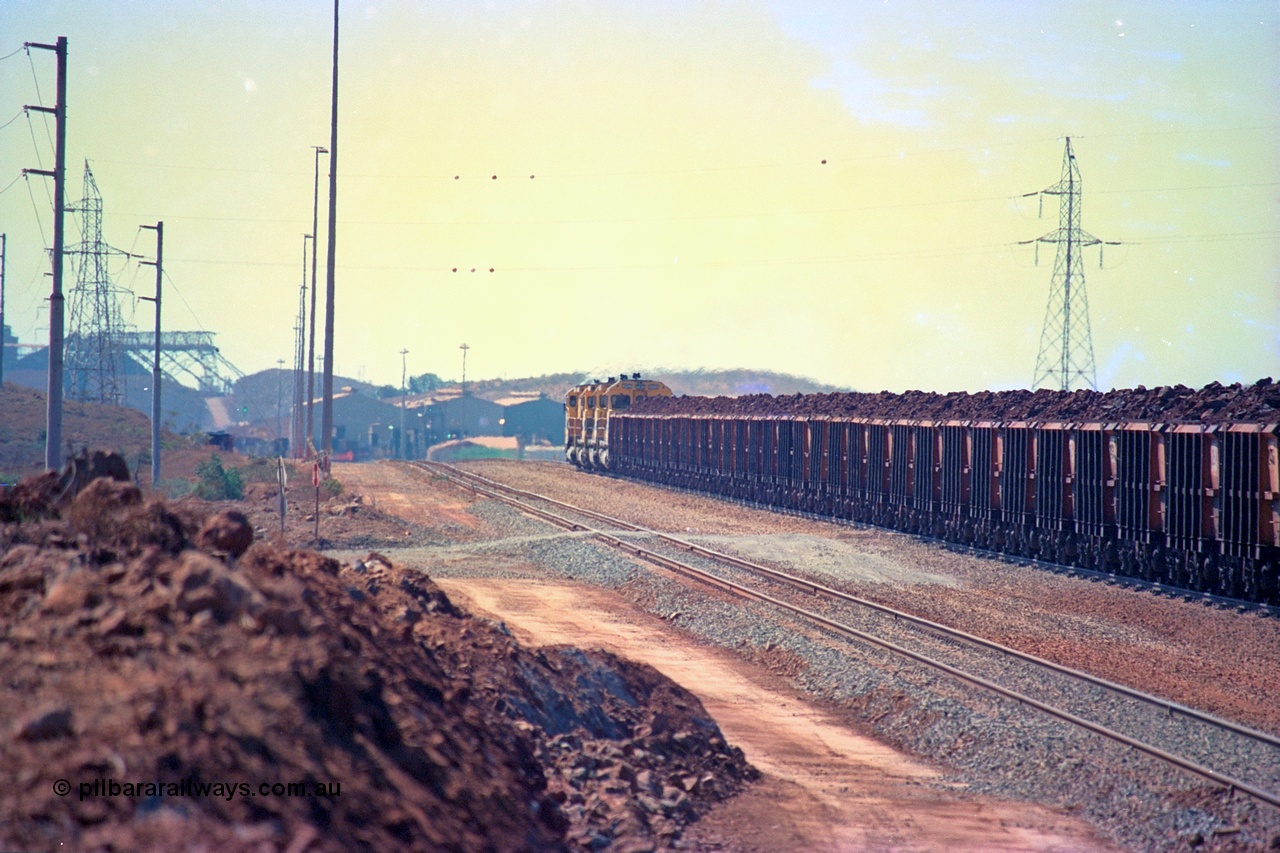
<point x="587" y="410"/>
<point x="1193" y="506"/>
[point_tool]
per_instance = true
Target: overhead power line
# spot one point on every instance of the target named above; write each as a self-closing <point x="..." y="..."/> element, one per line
<point x="947" y="252"/>
<point x="419" y="223"/>
<point x="817" y="161"/>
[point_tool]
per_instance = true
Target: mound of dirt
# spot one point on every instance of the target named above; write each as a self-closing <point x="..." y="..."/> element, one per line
<point x="32" y="498"/>
<point x="1214" y="403"/>
<point x="158" y="690"/>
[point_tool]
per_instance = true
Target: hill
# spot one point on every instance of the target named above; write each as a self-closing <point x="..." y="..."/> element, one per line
<point x="184" y="408"/>
<point x="697" y="383"/>
<point x="92" y="425"/>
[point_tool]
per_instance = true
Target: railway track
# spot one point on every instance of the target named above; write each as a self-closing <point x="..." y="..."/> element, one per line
<point x="1208" y="599"/>
<point x="1223" y="752"/>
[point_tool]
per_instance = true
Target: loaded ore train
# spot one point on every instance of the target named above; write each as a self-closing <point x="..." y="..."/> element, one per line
<point x="587" y="409"/>
<point x="1169" y="485"/>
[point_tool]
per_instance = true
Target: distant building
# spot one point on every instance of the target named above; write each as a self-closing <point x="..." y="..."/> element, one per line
<point x="465" y="416"/>
<point x="533" y="418"/>
<point x="364" y="427"/>
<point x="446" y="415"/>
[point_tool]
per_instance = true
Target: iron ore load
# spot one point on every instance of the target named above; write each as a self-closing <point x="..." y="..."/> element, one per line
<point x="1170" y="485"/>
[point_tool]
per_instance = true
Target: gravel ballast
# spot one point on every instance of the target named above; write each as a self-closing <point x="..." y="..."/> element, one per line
<point x="991" y="745"/>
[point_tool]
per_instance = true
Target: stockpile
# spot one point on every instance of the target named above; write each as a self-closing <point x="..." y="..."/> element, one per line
<point x="1212" y="404"/>
<point x="152" y="644"/>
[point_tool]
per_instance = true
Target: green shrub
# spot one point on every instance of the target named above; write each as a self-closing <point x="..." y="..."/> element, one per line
<point x="215" y="483"/>
<point x="264" y="469"/>
<point x="331" y="487"/>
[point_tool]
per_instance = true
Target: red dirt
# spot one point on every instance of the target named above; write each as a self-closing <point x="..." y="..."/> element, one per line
<point x="130" y="655"/>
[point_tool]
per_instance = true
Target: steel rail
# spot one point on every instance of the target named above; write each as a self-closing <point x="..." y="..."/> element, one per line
<point x="500" y="492"/>
<point x="815" y="588"/>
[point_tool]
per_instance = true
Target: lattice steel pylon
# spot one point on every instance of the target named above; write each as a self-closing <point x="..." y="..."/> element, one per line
<point x="94" y="355"/>
<point x="1065" y="358"/>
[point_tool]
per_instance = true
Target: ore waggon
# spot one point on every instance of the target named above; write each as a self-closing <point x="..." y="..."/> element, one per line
<point x="1190" y="505"/>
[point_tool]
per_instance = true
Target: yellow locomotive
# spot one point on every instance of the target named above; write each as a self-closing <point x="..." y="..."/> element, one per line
<point x="587" y="408"/>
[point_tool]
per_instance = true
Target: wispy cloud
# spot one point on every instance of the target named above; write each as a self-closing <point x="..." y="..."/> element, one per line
<point x="1201" y="160"/>
<point x="872" y="99"/>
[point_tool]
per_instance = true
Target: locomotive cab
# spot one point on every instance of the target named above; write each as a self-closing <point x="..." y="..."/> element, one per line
<point x="587" y="410"/>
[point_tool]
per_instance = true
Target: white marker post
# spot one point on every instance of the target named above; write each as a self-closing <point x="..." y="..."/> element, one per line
<point x="282" y="477"/>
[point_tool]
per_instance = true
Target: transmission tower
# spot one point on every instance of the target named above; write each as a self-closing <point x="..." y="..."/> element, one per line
<point x="94" y="354"/>
<point x="1066" y="342"/>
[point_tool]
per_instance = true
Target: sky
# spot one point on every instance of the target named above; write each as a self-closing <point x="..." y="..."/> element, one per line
<point x="839" y="190"/>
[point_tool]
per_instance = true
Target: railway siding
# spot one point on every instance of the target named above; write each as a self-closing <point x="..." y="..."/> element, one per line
<point x="1215" y="749"/>
<point x="923" y="712"/>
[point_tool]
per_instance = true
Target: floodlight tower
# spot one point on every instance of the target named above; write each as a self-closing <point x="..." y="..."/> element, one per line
<point x="1066" y="341"/>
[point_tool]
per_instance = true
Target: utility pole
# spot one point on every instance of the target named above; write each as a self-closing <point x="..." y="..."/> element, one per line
<point x="311" y="347"/>
<point x="4" y="247"/>
<point x="53" y="426"/>
<point x="279" y="405"/>
<point x="158" y="263"/>
<point x="464" y="349"/>
<point x="404" y="446"/>
<point x="326" y="420"/>
<point x="1066" y="341"/>
<point x="297" y="422"/>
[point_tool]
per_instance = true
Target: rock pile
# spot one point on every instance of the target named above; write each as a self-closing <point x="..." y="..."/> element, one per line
<point x="145" y="644"/>
<point x="1212" y="404"/>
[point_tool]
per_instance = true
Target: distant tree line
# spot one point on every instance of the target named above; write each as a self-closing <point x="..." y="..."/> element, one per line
<point x="422" y="384"/>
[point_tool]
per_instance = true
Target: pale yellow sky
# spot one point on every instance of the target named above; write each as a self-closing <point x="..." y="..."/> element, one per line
<point x="680" y="214"/>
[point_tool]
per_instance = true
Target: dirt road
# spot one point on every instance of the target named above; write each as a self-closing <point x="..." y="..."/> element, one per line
<point x="826" y="787"/>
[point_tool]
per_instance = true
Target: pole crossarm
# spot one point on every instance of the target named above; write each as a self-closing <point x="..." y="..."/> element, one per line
<point x="1062" y="235"/>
